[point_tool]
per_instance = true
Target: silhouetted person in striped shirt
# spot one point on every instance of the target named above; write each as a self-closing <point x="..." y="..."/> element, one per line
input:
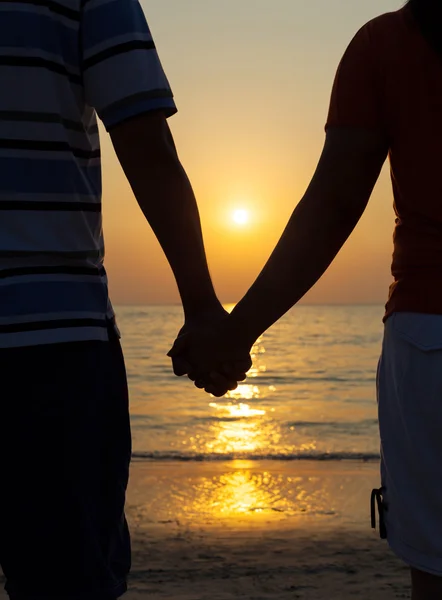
<point x="65" y="437"/>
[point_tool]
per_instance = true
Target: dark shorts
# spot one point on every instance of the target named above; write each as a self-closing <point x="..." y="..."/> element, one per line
<point x="65" y="449"/>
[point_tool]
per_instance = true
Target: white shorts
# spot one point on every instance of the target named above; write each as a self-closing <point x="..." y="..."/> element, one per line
<point x="409" y="390"/>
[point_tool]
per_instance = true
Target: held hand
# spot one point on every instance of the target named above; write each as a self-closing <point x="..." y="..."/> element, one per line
<point x="197" y="323"/>
<point x="212" y="358"/>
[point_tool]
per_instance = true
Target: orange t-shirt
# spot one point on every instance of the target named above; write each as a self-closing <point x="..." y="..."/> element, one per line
<point x="391" y="79"/>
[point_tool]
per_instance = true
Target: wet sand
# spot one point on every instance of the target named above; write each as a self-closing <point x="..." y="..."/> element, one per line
<point x="259" y="531"/>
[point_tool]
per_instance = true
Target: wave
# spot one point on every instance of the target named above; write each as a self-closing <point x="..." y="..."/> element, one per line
<point x="301" y="456"/>
<point x="272" y="378"/>
<point x="345" y="426"/>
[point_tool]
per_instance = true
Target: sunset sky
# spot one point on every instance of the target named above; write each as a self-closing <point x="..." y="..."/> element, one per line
<point x="252" y="82"/>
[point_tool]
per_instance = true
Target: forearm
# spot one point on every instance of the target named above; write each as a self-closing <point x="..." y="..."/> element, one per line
<point x="169" y="205"/>
<point x="147" y="153"/>
<point x="313" y="237"/>
<point x="320" y="225"/>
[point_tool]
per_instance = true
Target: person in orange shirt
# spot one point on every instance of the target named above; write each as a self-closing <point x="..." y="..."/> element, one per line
<point x="386" y="101"/>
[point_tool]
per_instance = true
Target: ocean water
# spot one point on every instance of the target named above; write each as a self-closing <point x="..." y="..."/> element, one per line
<point x="309" y="395"/>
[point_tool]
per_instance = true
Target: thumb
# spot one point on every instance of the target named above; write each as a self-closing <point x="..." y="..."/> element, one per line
<point x="180" y="345"/>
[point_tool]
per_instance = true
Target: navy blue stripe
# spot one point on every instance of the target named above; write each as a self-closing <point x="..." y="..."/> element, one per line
<point x="41" y="117"/>
<point x="134" y="99"/>
<point x="57" y="324"/>
<point x="55" y="7"/>
<point x="37" y="61"/>
<point x="36" y="30"/>
<point x="50" y="177"/>
<point x="59" y="270"/>
<point x="112" y="20"/>
<point x="124" y="113"/>
<point x="116" y="50"/>
<point x="51" y="206"/>
<point x="53" y="297"/>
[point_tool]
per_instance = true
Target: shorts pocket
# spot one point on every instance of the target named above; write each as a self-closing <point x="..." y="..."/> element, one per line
<point x="422" y="331"/>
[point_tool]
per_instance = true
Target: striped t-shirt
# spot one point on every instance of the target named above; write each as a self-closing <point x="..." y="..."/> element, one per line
<point x="61" y="63"/>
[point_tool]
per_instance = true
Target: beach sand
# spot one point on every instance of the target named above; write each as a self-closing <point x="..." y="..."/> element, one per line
<point x="258" y="531"/>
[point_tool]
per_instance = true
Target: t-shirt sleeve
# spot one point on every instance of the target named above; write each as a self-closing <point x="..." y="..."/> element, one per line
<point x="356" y="99"/>
<point x="122" y="73"/>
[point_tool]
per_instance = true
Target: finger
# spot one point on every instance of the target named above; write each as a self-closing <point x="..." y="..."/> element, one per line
<point x="179" y="346"/>
<point x="241" y="376"/>
<point x="232" y="373"/>
<point x="227" y="368"/>
<point x="237" y="367"/>
<point x="215" y="391"/>
<point x="221" y="382"/>
<point x="180" y="366"/>
<point x="194" y="375"/>
<point x="200" y="384"/>
<point x="243" y="365"/>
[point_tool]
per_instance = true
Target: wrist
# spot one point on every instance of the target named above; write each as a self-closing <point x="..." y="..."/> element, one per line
<point x="199" y="307"/>
<point x="242" y="329"/>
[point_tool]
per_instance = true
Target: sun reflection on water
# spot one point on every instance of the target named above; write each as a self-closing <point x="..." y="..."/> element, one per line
<point x="245" y="493"/>
<point x="244" y="391"/>
<point x="235" y="437"/>
<point x="243" y="425"/>
<point x="241" y="428"/>
<point x="238" y="410"/>
<point x="239" y="493"/>
<point x="256" y="354"/>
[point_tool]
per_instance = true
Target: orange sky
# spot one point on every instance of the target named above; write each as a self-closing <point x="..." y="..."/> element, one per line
<point x="252" y="84"/>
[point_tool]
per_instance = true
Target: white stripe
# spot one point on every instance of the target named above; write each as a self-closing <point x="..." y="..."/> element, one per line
<point x="136" y="71"/>
<point x="52" y="278"/>
<point x="85" y="255"/>
<point x="49" y="260"/>
<point x="39" y="53"/>
<point x="53" y="336"/>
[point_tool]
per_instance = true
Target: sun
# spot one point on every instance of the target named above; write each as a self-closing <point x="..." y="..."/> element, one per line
<point x="240" y="216"/>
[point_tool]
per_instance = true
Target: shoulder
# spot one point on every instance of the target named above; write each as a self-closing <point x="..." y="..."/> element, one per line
<point x="374" y="40"/>
<point x="384" y="28"/>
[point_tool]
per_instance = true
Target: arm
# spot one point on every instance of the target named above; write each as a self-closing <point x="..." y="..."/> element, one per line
<point x="320" y="225"/>
<point x="147" y="153"/>
<point x="355" y="149"/>
<point x="125" y="83"/>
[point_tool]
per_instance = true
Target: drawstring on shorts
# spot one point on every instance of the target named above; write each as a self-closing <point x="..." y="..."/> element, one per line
<point x="377" y="498"/>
